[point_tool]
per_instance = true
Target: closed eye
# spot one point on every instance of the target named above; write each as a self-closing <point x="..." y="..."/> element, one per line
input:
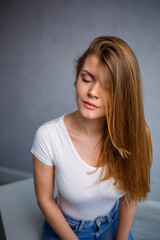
<point x="85" y="80"/>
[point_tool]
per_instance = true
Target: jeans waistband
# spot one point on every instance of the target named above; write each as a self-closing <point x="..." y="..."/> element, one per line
<point x="107" y="217"/>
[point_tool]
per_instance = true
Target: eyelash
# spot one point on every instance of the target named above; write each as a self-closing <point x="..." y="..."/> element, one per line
<point x="85" y="80"/>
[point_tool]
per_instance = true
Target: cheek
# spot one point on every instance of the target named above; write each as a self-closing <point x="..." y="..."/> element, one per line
<point x="79" y="89"/>
<point x="78" y="93"/>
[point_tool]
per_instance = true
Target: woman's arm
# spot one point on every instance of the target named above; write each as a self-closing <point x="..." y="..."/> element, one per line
<point x="44" y="189"/>
<point x="125" y="218"/>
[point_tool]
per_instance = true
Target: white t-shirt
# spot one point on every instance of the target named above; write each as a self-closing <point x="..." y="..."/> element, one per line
<point x="78" y="196"/>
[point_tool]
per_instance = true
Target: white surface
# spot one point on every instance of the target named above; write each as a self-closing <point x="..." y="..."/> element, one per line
<point x="8" y="175"/>
<point x="21" y="215"/>
<point x="151" y="204"/>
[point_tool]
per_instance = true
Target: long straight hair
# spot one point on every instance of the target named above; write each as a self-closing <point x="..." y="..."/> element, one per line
<point x="125" y="147"/>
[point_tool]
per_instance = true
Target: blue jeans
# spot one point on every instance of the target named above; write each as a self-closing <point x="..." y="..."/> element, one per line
<point x="102" y="228"/>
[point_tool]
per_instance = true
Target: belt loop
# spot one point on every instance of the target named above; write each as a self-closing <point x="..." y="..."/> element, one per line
<point x="80" y="224"/>
<point x="109" y="219"/>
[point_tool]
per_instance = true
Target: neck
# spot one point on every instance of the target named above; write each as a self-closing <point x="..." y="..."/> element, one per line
<point x="90" y="127"/>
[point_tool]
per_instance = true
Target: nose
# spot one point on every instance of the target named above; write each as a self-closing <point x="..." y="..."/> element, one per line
<point x="94" y="90"/>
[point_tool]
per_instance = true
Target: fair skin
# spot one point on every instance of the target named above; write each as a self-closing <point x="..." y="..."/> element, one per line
<point x="125" y="218"/>
<point x="85" y="128"/>
<point x="44" y="177"/>
<point x="89" y="88"/>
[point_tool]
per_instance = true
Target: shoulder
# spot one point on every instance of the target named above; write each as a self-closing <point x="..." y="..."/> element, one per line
<point x="51" y="123"/>
<point x="45" y="140"/>
<point x="48" y="127"/>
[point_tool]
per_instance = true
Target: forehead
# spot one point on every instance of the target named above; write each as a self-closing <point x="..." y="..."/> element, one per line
<point x="91" y="63"/>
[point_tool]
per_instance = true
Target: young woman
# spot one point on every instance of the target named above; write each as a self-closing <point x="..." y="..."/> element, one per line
<point x="100" y="155"/>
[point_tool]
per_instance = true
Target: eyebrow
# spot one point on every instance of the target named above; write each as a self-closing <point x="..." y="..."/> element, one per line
<point x="90" y="74"/>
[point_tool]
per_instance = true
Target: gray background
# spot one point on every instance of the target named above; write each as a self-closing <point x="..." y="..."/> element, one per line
<point x="39" y="41"/>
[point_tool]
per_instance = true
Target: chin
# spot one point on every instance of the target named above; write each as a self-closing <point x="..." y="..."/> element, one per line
<point x="89" y="114"/>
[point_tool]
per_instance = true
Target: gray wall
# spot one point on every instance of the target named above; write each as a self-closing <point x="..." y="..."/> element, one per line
<point x="39" y="41"/>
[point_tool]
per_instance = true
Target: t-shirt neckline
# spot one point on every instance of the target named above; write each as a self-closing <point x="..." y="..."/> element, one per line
<point x="73" y="147"/>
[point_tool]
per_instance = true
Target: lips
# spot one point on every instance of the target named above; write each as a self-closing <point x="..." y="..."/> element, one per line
<point x="92" y="104"/>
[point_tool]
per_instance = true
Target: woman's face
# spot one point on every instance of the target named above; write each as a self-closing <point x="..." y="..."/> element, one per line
<point x="89" y="89"/>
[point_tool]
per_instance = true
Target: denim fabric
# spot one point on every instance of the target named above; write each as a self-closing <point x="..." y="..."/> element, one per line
<point x="101" y="228"/>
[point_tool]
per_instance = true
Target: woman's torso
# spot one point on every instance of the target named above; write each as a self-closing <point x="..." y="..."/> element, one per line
<point x="74" y="157"/>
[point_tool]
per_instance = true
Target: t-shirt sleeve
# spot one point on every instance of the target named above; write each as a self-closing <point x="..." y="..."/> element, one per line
<point x="41" y="146"/>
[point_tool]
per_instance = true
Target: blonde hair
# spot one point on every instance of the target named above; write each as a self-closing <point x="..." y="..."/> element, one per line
<point x="125" y="147"/>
